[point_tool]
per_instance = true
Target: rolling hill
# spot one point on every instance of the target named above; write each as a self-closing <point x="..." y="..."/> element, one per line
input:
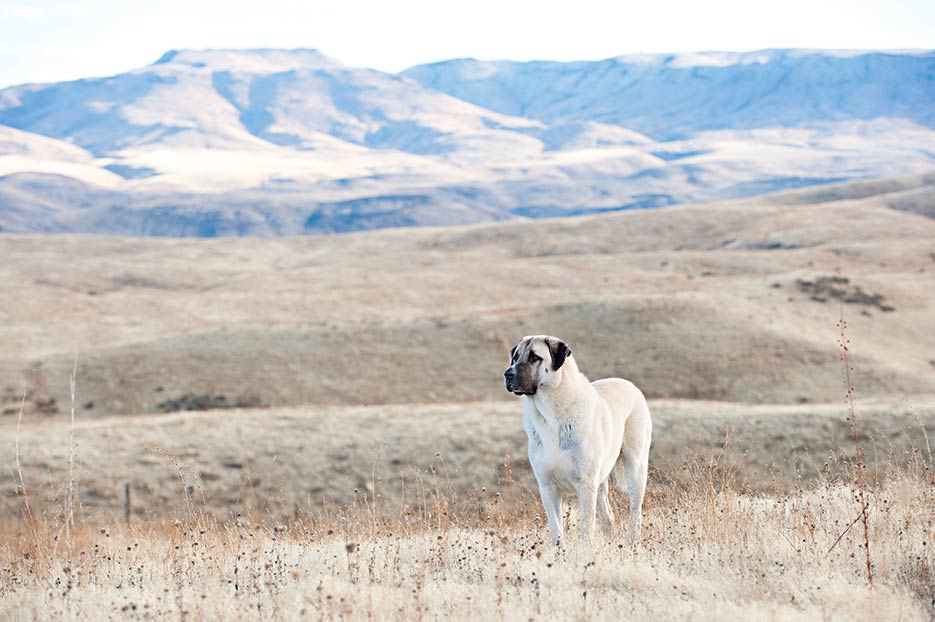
<point x="734" y="301"/>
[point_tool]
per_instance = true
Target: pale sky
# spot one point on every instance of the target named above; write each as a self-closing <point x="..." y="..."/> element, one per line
<point x="50" y="40"/>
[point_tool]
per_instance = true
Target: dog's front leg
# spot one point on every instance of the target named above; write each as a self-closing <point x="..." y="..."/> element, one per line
<point x="587" y="508"/>
<point x="552" y="502"/>
<point x="604" y="512"/>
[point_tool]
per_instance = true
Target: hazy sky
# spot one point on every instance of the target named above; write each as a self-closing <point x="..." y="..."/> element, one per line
<point x="47" y="40"/>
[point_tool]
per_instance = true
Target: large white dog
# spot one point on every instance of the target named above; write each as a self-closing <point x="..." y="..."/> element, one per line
<point x="577" y="430"/>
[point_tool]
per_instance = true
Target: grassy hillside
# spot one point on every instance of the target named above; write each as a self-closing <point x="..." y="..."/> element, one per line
<point x="731" y="301"/>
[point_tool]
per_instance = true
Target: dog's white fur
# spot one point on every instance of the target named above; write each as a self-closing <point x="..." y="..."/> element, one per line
<point x="577" y="430"/>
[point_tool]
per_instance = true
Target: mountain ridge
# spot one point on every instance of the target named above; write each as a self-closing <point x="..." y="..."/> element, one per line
<point x="615" y="76"/>
<point x="296" y="137"/>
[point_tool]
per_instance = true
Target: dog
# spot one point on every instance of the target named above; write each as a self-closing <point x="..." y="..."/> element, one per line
<point x="579" y="433"/>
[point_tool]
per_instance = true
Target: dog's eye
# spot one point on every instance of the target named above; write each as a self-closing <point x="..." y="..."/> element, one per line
<point x="533" y="358"/>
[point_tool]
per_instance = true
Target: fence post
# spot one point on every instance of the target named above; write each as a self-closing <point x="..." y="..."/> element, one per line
<point x="126" y="502"/>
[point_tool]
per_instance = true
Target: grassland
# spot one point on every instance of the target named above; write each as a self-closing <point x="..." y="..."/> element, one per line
<point x="285" y="462"/>
<point x="314" y="428"/>
<point x="709" y="553"/>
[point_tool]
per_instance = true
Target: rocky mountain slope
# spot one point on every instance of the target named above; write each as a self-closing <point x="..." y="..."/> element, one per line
<point x="284" y="142"/>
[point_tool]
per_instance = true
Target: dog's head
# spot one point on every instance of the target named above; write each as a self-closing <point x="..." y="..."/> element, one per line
<point x="536" y="361"/>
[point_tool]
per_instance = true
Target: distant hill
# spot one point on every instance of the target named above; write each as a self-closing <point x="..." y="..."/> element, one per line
<point x="735" y="300"/>
<point x="274" y="142"/>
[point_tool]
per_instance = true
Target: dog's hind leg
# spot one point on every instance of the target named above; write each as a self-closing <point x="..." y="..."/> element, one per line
<point x="635" y="459"/>
<point x="635" y="469"/>
<point x="552" y="503"/>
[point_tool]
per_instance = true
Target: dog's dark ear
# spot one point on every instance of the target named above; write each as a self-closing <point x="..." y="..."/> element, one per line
<point x="559" y="351"/>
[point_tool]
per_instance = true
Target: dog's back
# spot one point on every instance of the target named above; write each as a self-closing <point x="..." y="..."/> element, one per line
<point x="622" y="395"/>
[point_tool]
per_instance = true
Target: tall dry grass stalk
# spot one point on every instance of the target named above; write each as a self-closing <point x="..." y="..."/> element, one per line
<point x="71" y="484"/>
<point x="859" y="468"/>
<point x="19" y="467"/>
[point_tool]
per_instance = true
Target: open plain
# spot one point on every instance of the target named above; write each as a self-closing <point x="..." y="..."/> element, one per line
<point x="316" y="427"/>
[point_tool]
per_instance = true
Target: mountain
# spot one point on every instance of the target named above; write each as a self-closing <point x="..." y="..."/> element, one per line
<point x="250" y="99"/>
<point x="283" y="142"/>
<point x="675" y="96"/>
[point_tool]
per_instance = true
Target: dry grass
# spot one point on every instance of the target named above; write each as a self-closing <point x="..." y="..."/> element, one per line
<point x="364" y="505"/>
<point x="709" y="553"/>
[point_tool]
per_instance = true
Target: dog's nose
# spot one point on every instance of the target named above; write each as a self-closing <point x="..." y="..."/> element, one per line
<point x="509" y="374"/>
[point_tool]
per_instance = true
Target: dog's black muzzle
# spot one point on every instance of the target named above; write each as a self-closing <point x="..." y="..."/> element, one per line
<point x="510" y="382"/>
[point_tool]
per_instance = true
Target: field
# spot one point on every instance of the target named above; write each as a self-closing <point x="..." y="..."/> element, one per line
<point x="315" y="428"/>
<point x="707" y="556"/>
<point x="276" y="464"/>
